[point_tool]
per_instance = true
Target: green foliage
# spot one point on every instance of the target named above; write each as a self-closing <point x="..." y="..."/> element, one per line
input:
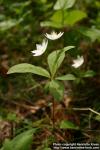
<point x="66" y="77"/>
<point x="74" y="16"/>
<point x="54" y="60"/>
<point x="89" y="73"/>
<point x="5" y="25"/>
<point x="65" y="49"/>
<point x="56" y="89"/>
<point x="64" y="4"/>
<point x="65" y="124"/>
<point x="28" y="68"/>
<point x="22" y="141"/>
<point x="92" y="33"/>
<point x="66" y="18"/>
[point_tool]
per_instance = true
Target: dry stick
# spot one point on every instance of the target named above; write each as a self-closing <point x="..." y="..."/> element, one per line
<point x="90" y="109"/>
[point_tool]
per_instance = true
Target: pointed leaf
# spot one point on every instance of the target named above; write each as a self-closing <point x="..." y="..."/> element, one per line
<point x="22" y="141"/>
<point x="67" y="77"/>
<point x="64" y="4"/>
<point x="69" y="18"/>
<point x="74" y="16"/>
<point x="28" y="68"/>
<point x="89" y="73"/>
<point x="51" y="24"/>
<point x="68" y="48"/>
<point x="54" y="60"/>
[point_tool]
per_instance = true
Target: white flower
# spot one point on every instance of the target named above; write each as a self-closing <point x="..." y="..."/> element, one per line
<point x="40" y="48"/>
<point x="54" y="35"/>
<point x="78" y="62"/>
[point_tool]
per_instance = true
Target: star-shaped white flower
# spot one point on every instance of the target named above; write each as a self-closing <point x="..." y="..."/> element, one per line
<point x="78" y="62"/>
<point x="40" y="48"/>
<point x="54" y="35"/>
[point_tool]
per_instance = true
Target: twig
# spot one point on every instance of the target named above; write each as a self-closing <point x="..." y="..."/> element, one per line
<point x="90" y="109"/>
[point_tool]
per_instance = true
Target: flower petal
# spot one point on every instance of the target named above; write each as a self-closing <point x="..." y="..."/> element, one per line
<point x="78" y="62"/>
<point x="40" y="48"/>
<point x="44" y="44"/>
<point x="54" y="35"/>
<point x="37" y="53"/>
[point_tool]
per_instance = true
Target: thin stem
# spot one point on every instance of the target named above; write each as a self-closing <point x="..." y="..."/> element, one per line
<point x="53" y="115"/>
<point x="62" y="12"/>
<point x="90" y="109"/>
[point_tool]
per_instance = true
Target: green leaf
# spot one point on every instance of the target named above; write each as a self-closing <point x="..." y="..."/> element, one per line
<point x="55" y="20"/>
<point x="22" y="141"/>
<point x="66" y="77"/>
<point x="67" y="18"/>
<point x="92" y="33"/>
<point x="54" y="60"/>
<point x="28" y="68"/>
<point x="58" y="17"/>
<point x="74" y="16"/>
<point x="89" y="73"/>
<point x="5" y="25"/>
<point x="68" y="48"/>
<point x="51" y="24"/>
<point x="64" y="4"/>
<point x="57" y="90"/>
<point x="65" y="124"/>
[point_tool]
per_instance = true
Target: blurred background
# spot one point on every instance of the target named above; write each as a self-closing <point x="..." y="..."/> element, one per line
<point x="23" y="23"/>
